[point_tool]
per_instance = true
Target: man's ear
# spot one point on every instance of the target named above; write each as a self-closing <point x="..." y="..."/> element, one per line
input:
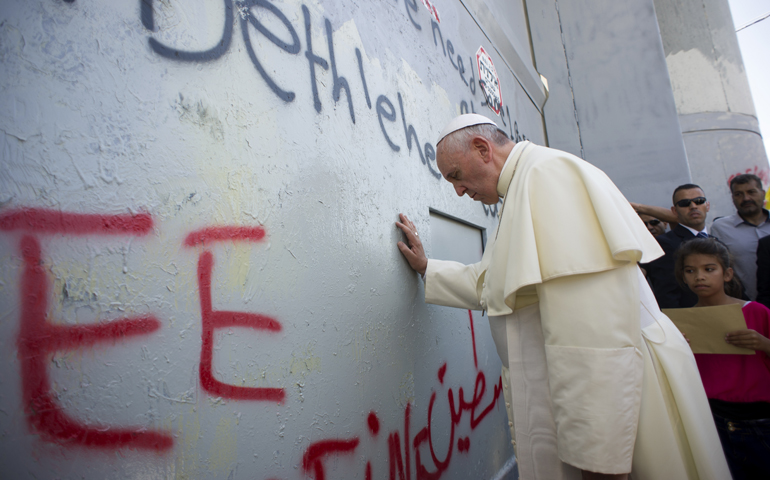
<point x="481" y="145"/>
<point x="708" y="206"/>
<point x="673" y="210"/>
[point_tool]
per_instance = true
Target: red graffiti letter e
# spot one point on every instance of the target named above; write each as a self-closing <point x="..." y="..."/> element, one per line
<point x="214" y="319"/>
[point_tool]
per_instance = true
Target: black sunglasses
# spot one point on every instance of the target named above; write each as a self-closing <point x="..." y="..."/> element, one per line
<point x="685" y="202"/>
<point x="653" y="223"/>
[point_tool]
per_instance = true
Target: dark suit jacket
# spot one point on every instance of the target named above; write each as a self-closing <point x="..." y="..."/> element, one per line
<point x="660" y="272"/>
<point x="763" y="271"/>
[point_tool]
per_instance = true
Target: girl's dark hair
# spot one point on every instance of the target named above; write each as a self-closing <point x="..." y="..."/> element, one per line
<point x="715" y="248"/>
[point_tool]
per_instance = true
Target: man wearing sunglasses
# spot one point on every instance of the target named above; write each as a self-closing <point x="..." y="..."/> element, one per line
<point x="741" y="232"/>
<point x="690" y="207"/>
<point x="654" y="226"/>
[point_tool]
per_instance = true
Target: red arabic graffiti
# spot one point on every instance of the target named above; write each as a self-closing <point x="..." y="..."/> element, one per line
<point x="38" y="339"/>
<point x="463" y="444"/>
<point x="399" y="461"/>
<point x="473" y="339"/>
<point x="762" y="173"/>
<point x="374" y="423"/>
<point x="396" y="461"/>
<point x="316" y="452"/>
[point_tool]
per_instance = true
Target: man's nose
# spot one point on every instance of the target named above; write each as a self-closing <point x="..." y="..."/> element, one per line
<point x="460" y="190"/>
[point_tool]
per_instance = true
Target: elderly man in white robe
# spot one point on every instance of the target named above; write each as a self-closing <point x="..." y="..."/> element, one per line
<point x="598" y="383"/>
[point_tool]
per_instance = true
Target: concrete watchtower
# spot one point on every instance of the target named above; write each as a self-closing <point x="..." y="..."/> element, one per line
<point x="716" y="112"/>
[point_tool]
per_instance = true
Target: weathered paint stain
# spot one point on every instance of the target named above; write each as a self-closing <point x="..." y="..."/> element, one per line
<point x="223" y="453"/>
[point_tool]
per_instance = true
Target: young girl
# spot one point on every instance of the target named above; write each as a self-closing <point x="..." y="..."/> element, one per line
<point x="737" y="386"/>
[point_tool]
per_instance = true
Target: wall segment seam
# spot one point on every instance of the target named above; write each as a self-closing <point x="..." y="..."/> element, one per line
<point x="569" y="79"/>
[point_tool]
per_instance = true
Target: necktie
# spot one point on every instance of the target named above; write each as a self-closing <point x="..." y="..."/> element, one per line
<point x="702" y="235"/>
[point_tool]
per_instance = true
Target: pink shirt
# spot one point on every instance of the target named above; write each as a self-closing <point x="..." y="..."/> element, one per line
<point x="739" y="378"/>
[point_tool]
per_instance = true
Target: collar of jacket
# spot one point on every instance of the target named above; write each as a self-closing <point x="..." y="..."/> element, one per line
<point x="509" y="168"/>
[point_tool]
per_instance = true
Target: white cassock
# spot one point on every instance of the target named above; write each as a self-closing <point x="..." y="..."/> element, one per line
<point x="595" y="376"/>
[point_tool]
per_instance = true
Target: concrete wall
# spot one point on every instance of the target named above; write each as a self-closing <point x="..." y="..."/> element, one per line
<point x="610" y="94"/>
<point x="716" y="112"/>
<point x="199" y="276"/>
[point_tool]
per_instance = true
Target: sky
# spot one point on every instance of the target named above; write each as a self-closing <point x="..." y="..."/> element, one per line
<point x="755" y="49"/>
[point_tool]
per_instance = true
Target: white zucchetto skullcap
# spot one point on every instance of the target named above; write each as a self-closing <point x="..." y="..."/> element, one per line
<point x="463" y="121"/>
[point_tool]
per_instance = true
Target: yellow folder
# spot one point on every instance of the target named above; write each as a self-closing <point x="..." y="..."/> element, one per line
<point x="706" y="327"/>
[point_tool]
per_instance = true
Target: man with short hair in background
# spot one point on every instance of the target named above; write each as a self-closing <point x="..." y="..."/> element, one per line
<point x="742" y="230"/>
<point x="690" y="207"/>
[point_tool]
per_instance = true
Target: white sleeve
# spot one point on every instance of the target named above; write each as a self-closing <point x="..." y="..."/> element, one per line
<point x="452" y="284"/>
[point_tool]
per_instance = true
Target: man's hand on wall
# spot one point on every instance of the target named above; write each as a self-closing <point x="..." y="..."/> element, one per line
<point x="414" y="252"/>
